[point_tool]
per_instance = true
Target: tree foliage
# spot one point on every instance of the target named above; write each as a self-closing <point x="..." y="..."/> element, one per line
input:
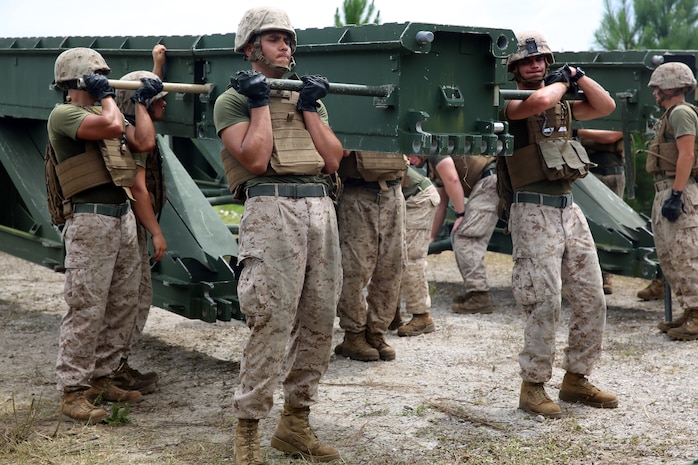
<point x="357" y="12"/>
<point x="648" y="24"/>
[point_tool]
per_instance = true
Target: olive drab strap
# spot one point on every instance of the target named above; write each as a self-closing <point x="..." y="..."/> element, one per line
<point x="155" y="181"/>
<point x="56" y="201"/>
<point x="294" y="151"/>
<point x="662" y="156"/>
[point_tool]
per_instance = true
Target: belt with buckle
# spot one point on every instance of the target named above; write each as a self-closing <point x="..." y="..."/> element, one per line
<point x="557" y="201"/>
<point x="106" y="209"/>
<point x="295" y="191"/>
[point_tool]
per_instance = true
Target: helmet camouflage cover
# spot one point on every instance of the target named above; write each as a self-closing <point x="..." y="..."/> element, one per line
<point x="74" y="63"/>
<point x="530" y="43"/>
<point x="123" y="96"/>
<point x="673" y="75"/>
<point x="257" y="20"/>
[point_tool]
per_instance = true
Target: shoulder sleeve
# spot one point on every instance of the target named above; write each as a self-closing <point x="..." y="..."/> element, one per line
<point x="230" y="109"/>
<point x="684" y="121"/>
<point x="65" y="120"/>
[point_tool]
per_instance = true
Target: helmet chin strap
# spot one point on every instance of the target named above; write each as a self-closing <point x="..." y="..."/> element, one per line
<point x="257" y="55"/>
<point x="664" y="96"/>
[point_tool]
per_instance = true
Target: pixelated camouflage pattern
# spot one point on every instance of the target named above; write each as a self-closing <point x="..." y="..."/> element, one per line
<point x="555" y="256"/>
<point x="288" y="290"/>
<point x="672" y="75"/>
<point x="123" y="96"/>
<point x="539" y="47"/>
<point x="74" y="63"/>
<point x="257" y="20"/>
<point x="419" y="216"/>
<point x="677" y="243"/>
<point x="470" y="240"/>
<point x="372" y="239"/>
<point x="101" y="289"/>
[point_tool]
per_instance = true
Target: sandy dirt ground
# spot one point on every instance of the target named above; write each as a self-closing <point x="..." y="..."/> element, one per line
<point x="450" y="397"/>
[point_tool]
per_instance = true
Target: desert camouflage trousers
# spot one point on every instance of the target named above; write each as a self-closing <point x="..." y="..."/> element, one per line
<point x="677" y="243"/>
<point x="372" y="239"/>
<point x="101" y="289"/>
<point x="473" y="235"/>
<point x="555" y="256"/>
<point x="419" y="216"/>
<point x="145" y="291"/>
<point x="288" y="290"/>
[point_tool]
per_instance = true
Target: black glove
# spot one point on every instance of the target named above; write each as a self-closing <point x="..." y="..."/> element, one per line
<point x="144" y="94"/>
<point x="315" y="88"/>
<point x="671" y="209"/>
<point x="98" y="85"/>
<point x="564" y="75"/>
<point x="253" y="85"/>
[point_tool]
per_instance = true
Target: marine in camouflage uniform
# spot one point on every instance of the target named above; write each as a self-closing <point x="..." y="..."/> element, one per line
<point x="470" y="238"/>
<point x="421" y="200"/>
<point x="672" y="161"/>
<point x="102" y="260"/>
<point x="553" y="250"/>
<point x="279" y="151"/>
<point x="371" y="217"/>
<point x="149" y="194"/>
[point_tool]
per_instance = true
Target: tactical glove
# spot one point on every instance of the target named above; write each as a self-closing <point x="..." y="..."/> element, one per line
<point x="316" y="87"/>
<point x="144" y="94"/>
<point x="671" y="209"/>
<point x="98" y="86"/>
<point x="565" y="76"/>
<point x="253" y="85"/>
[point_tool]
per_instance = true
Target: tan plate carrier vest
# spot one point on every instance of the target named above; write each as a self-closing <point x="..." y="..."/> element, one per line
<point x="551" y="154"/>
<point x="293" y="152"/>
<point x="103" y="162"/>
<point x="662" y="155"/>
<point x="377" y="167"/>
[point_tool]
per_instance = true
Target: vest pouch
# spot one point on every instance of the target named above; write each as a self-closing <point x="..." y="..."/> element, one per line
<point x="378" y="166"/>
<point x="119" y="162"/>
<point x="564" y="159"/>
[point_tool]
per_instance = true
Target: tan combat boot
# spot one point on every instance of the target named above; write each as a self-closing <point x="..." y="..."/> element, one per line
<point x="688" y="331"/>
<point x="130" y="379"/>
<point x="377" y="341"/>
<point x="534" y="399"/>
<point x="103" y="389"/>
<point x="419" y="324"/>
<point x="397" y="320"/>
<point x="355" y="347"/>
<point x="607" y="283"/>
<point x="576" y="388"/>
<point x="76" y="407"/>
<point x="295" y="436"/>
<point x="247" y="450"/>
<point x="665" y="326"/>
<point x="473" y="302"/>
<point x="654" y="291"/>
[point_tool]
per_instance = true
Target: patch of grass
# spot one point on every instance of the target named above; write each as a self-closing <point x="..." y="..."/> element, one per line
<point x="231" y="213"/>
<point x="22" y="425"/>
<point x="119" y="416"/>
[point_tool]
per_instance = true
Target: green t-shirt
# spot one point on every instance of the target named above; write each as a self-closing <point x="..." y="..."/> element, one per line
<point x="684" y="121"/>
<point x="62" y="126"/>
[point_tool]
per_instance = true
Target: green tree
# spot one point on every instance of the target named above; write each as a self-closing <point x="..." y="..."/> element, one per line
<point x="357" y="12"/>
<point x="648" y="24"/>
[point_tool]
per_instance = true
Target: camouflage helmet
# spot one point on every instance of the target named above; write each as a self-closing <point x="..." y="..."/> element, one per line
<point x="123" y="96"/>
<point x="257" y="20"/>
<point x="530" y="44"/>
<point x="74" y="63"/>
<point x="673" y="75"/>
